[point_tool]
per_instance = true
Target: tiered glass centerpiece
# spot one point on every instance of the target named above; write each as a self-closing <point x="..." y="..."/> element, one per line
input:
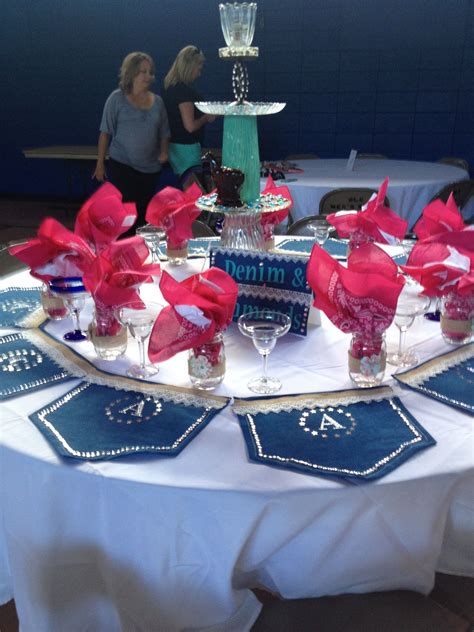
<point x="242" y="227"/>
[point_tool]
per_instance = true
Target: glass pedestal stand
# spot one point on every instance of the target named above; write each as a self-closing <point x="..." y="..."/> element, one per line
<point x="240" y="151"/>
<point x="240" y="143"/>
<point x="242" y="229"/>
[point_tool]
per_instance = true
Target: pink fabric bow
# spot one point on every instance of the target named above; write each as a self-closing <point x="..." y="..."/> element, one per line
<point x="438" y="217"/>
<point x="54" y="252"/>
<point x="104" y="217"/>
<point x="200" y="306"/>
<point x="174" y="211"/>
<point x="361" y="298"/>
<point x="376" y="220"/>
<point x="117" y="272"/>
<point x="441" y="268"/>
<point x="270" y="220"/>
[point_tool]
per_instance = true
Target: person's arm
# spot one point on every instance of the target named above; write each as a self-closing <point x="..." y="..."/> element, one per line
<point x="164" y="147"/>
<point x="192" y="124"/>
<point x="103" y="144"/>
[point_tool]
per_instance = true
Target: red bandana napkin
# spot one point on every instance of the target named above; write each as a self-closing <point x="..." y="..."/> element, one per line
<point x="200" y="306"/>
<point x="438" y="217"/>
<point x="54" y="252"/>
<point x="104" y="217"/>
<point x="375" y="221"/>
<point x="442" y="268"/>
<point x="117" y="272"/>
<point x="174" y="211"/>
<point x="361" y="298"/>
<point x="270" y="220"/>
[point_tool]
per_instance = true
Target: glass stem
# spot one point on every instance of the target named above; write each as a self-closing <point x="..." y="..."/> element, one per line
<point x="401" y="341"/>
<point x="75" y="313"/>
<point x="141" y="349"/>
<point x="265" y="363"/>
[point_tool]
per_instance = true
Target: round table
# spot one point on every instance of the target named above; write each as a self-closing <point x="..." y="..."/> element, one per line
<point x="176" y="543"/>
<point x="411" y="184"/>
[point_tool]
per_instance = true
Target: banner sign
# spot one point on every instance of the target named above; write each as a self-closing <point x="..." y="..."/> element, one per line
<point x="273" y="282"/>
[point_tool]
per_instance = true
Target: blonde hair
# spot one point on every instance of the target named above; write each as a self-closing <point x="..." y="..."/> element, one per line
<point x="130" y="68"/>
<point x="183" y="66"/>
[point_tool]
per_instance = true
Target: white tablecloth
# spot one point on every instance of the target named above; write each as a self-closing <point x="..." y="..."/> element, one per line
<point x="149" y="543"/>
<point x="411" y="184"/>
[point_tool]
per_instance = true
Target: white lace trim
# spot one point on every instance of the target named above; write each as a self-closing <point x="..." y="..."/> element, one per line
<point x="163" y="391"/>
<point x="276" y="294"/>
<point x="309" y="400"/>
<point x="434" y="367"/>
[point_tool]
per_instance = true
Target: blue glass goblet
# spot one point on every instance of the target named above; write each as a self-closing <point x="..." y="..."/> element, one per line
<point x="73" y="293"/>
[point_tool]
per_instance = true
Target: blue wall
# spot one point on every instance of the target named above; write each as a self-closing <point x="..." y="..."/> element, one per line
<point x="389" y="76"/>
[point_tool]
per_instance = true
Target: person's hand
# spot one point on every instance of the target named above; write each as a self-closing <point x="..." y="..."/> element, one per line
<point x="210" y="118"/>
<point x="163" y="157"/>
<point x="99" y="173"/>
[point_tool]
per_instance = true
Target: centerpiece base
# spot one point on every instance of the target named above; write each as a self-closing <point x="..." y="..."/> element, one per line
<point x="242" y="228"/>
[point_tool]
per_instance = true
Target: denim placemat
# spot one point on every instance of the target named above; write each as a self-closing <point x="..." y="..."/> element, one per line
<point x="20" y="307"/>
<point x="95" y="422"/>
<point x="449" y="378"/>
<point x="334" y="247"/>
<point x="323" y="434"/>
<point x="24" y="367"/>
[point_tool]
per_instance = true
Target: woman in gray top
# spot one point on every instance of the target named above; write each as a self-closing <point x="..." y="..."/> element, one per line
<point x="135" y="124"/>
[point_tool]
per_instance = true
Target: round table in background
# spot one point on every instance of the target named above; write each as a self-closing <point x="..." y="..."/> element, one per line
<point x="411" y="184"/>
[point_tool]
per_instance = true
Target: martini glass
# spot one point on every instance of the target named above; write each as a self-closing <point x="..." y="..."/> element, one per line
<point x="321" y="229"/>
<point x="73" y="293"/>
<point x="152" y="235"/>
<point x="409" y="306"/>
<point x="264" y="327"/>
<point x="140" y="319"/>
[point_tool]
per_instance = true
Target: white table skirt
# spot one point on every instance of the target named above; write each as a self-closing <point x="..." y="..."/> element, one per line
<point x="411" y="184"/>
<point x="175" y="543"/>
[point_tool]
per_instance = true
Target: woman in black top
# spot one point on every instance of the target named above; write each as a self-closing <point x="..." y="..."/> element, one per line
<point x="185" y="121"/>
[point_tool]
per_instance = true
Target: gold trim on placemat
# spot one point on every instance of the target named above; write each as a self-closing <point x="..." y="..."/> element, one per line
<point x="436" y="365"/>
<point x="305" y="400"/>
<point x="81" y="368"/>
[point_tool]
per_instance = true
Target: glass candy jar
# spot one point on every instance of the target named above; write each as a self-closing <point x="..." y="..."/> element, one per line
<point x="177" y="253"/>
<point x="457" y="313"/>
<point x="53" y="305"/>
<point x="206" y="364"/>
<point x="107" y="334"/>
<point x="367" y="359"/>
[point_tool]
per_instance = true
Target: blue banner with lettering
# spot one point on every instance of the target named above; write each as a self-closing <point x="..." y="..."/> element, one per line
<point x="268" y="281"/>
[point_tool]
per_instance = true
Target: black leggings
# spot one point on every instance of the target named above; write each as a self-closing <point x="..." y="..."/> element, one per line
<point x="134" y="186"/>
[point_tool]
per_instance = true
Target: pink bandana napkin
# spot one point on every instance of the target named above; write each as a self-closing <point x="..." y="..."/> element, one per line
<point x="442" y="268"/>
<point x="114" y="277"/>
<point x="174" y="211"/>
<point x="376" y="221"/>
<point x="361" y="298"/>
<point x="200" y="306"/>
<point x="270" y="220"/>
<point x="438" y="217"/>
<point x="104" y="217"/>
<point x="54" y="252"/>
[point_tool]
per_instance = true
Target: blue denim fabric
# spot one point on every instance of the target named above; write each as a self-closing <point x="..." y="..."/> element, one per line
<point x="454" y="387"/>
<point x="24" y="368"/>
<point x="97" y="422"/>
<point x="355" y="442"/>
<point x="16" y="303"/>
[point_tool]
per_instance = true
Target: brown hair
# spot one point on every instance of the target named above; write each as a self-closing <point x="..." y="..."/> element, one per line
<point x="130" y="68"/>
